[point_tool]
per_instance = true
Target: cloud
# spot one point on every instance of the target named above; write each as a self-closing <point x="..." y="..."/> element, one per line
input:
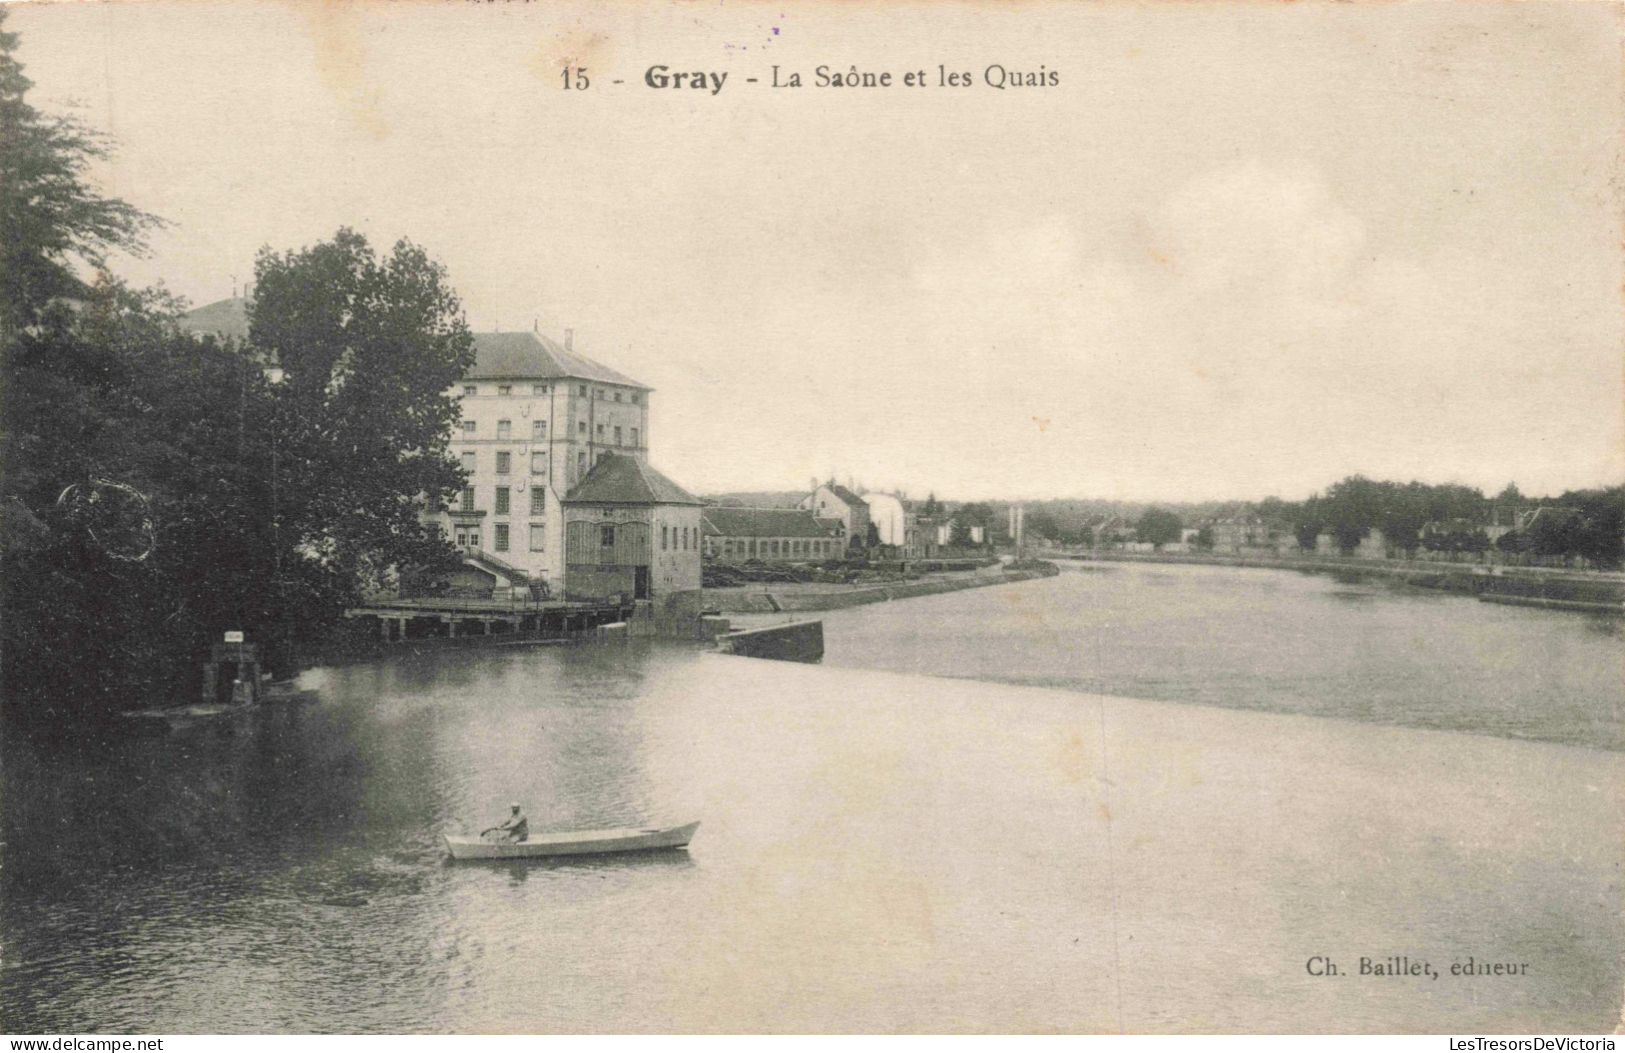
<point x="1243" y="334"/>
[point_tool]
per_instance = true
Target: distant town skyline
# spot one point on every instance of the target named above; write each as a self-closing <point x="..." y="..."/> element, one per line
<point x="1232" y="253"/>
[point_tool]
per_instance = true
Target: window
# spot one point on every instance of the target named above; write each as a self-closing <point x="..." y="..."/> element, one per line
<point x="634" y="398"/>
<point x="504" y="429"/>
<point x="634" y="436"/>
<point x="502" y="537"/>
<point x="468" y="499"/>
<point x="538" y="501"/>
<point x="502" y="501"/>
<point x="504" y="389"/>
<point x="598" y="394"/>
<point x="581" y="462"/>
<point x="468" y="427"/>
<point x="538" y="389"/>
<point x="471" y="389"/>
<point x="538" y="537"/>
<point x="663" y="530"/>
<point x="607" y="540"/>
<point x="600" y="431"/>
<point x="504" y="462"/>
<point x="468" y="461"/>
<point x="538" y="464"/>
<point x="538" y="429"/>
<point x="617" y="396"/>
<point x="582" y="391"/>
<point x="581" y="427"/>
<point x="617" y="436"/>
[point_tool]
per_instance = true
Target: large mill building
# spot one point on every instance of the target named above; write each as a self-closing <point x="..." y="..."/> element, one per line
<point x="536" y="418"/>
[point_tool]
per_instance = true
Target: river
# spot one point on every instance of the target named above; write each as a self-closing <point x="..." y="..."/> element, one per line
<point x="1139" y="798"/>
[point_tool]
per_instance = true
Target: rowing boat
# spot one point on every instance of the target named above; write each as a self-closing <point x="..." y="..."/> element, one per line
<point x="575" y="843"/>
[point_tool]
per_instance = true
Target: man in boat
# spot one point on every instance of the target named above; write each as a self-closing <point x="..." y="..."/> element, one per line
<point x="514" y="828"/>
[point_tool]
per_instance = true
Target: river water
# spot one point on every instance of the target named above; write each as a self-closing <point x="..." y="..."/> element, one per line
<point x="952" y="824"/>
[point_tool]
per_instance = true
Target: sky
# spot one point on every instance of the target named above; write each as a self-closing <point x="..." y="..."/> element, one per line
<point x="1235" y="250"/>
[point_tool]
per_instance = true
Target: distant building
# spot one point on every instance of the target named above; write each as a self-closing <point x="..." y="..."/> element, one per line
<point x="633" y="533"/>
<point x="834" y="501"/>
<point x="896" y="523"/>
<point x="1112" y="530"/>
<point x="774" y="535"/>
<point x="1249" y="532"/>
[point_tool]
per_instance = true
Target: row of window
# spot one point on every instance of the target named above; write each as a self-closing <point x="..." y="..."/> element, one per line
<point x="681" y="538"/>
<point x="471" y="390"/>
<point x="538" y="501"/>
<point x="538" y="430"/>
<point x="538" y="462"/>
<point x="767" y="547"/>
<point x="469" y="538"/>
<point x="505" y="390"/>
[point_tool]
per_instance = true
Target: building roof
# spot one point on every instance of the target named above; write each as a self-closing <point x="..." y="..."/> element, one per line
<point x="519" y="356"/>
<point x="221" y="318"/>
<point x="763" y="522"/>
<point x="528" y="355"/>
<point x="845" y="495"/>
<point x="621" y="480"/>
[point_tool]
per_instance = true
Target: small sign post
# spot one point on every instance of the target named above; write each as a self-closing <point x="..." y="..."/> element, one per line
<point x="234" y="636"/>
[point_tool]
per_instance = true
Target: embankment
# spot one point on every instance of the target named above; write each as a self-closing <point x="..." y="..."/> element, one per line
<point x="1582" y="591"/>
<point x="797" y="598"/>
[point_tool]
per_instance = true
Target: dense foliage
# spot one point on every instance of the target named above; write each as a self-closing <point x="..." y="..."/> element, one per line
<point x="159" y="489"/>
<point x="1158" y="526"/>
<point x="49" y="217"/>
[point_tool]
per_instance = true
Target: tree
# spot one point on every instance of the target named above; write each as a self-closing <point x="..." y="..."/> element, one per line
<point x="931" y="508"/>
<point x="51" y="220"/>
<point x="975" y="514"/>
<point x="1597" y="532"/>
<point x="1041" y="523"/>
<point x="370" y="349"/>
<point x="1158" y="526"/>
<point x="1404" y="512"/>
<point x="1351" y="508"/>
<point x="158" y="489"/>
<point x="142" y="456"/>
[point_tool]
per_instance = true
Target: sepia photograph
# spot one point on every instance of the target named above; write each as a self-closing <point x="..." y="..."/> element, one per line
<point x="704" y="517"/>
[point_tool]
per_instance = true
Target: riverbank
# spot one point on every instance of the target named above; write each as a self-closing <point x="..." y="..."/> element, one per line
<point x="798" y="597"/>
<point x="1579" y="591"/>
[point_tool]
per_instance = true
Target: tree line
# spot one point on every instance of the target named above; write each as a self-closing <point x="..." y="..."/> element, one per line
<point x="159" y="488"/>
<point x="1587" y="524"/>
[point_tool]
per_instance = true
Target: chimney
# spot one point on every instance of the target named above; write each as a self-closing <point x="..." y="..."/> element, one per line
<point x="535" y="325"/>
<point x="569" y="339"/>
